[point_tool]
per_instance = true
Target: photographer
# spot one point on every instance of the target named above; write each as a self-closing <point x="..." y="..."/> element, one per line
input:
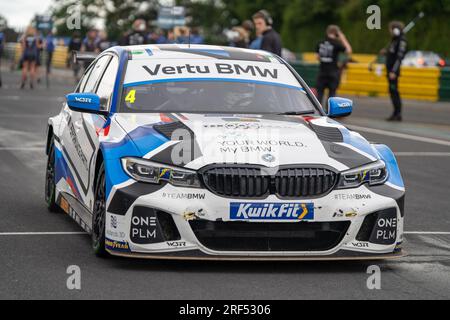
<point x="328" y="55"/>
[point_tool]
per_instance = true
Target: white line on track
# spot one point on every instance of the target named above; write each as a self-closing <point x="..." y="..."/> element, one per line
<point x="422" y="154"/>
<point x="22" y="149"/>
<point x="428" y="233"/>
<point x="41" y="233"/>
<point x="399" y="135"/>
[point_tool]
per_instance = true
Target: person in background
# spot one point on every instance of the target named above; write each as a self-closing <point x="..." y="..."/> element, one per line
<point x="89" y="44"/>
<point x="74" y="45"/>
<point x="196" y="37"/>
<point x="394" y="57"/>
<point x="328" y="55"/>
<point x="171" y="37"/>
<point x="256" y="43"/>
<point x="2" y="41"/>
<point x="239" y="37"/>
<point x="30" y="47"/>
<point x="162" y="39"/>
<point x="103" y="43"/>
<point x="271" y="40"/>
<point x="40" y="53"/>
<point x="250" y="28"/>
<point x="50" y="49"/>
<point x="157" y="37"/>
<point x="183" y="37"/>
<point x="137" y="36"/>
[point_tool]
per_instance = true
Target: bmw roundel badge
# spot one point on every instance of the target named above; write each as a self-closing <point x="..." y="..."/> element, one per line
<point x="268" y="157"/>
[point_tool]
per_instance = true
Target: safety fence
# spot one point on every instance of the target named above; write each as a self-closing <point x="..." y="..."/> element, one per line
<point x="429" y="84"/>
<point x="13" y="52"/>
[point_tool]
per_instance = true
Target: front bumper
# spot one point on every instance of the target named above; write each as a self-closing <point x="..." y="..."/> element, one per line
<point x="181" y="223"/>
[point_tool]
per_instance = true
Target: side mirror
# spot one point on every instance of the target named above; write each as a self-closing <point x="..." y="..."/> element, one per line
<point x="85" y="102"/>
<point x="339" y="107"/>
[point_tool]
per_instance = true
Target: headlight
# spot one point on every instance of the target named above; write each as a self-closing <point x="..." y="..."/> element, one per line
<point x="373" y="174"/>
<point x="151" y="172"/>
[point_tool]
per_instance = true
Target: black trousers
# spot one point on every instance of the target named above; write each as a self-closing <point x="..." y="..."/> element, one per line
<point x="395" y="96"/>
<point x="48" y="63"/>
<point x="328" y="81"/>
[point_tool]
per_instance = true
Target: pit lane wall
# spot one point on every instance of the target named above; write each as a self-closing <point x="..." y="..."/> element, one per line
<point x="428" y="84"/>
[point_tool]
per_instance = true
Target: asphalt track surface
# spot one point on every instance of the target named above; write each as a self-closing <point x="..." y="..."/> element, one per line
<point x="33" y="263"/>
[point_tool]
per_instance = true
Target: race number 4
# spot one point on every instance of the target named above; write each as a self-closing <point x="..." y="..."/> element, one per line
<point x="131" y="96"/>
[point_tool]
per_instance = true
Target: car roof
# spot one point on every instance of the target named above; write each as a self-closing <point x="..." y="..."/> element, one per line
<point x="179" y="51"/>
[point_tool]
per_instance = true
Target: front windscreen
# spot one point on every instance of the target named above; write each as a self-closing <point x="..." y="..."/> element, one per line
<point x="207" y="96"/>
<point x="212" y="86"/>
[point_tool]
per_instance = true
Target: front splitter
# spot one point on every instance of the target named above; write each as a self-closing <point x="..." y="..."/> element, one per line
<point x="198" y="256"/>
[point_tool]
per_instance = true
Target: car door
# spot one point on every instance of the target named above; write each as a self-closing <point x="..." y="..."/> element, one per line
<point x="78" y="142"/>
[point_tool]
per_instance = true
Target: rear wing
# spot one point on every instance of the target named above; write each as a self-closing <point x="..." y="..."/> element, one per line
<point x="83" y="56"/>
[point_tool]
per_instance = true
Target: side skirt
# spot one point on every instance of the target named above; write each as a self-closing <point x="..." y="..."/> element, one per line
<point x="76" y="211"/>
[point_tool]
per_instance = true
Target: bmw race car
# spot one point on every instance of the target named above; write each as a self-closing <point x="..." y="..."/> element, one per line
<point x="205" y="152"/>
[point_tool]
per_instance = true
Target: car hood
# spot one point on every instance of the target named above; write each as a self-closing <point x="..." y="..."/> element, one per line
<point x="197" y="140"/>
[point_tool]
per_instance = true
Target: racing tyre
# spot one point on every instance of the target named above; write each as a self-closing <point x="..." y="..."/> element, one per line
<point x="99" y="215"/>
<point x="50" y="184"/>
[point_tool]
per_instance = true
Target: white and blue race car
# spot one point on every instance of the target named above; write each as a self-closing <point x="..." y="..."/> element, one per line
<point x="205" y="152"/>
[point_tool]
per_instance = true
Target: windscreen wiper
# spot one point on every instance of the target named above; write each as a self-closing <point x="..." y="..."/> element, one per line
<point x="296" y="113"/>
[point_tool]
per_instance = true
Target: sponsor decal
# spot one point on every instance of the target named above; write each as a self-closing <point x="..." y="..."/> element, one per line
<point x="398" y="247"/>
<point x="117" y="245"/>
<point x="243" y="125"/>
<point x="115" y="234"/>
<point x="385" y="231"/>
<point x="344" y="105"/>
<point x="237" y="122"/>
<point x="76" y="143"/>
<point x="360" y="244"/>
<point x="83" y="100"/>
<point x="114" y="222"/>
<point x="217" y="68"/>
<point x="184" y="196"/>
<point x="144" y="227"/>
<point x="176" y="244"/>
<point x="247" y="146"/>
<point x="271" y="211"/>
<point x="350" y="213"/>
<point x="352" y="197"/>
<point x="74" y="215"/>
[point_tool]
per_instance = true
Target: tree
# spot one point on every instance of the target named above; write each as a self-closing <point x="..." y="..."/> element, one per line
<point x="117" y="15"/>
<point x="302" y="23"/>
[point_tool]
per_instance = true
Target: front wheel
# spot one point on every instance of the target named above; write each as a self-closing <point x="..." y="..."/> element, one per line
<point x="99" y="215"/>
<point x="50" y="184"/>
